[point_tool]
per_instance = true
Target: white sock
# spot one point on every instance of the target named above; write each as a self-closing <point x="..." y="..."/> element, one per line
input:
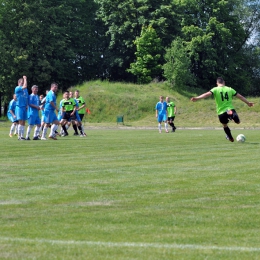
<point x="44" y="132"/>
<point x="12" y="128"/>
<point x="29" y="128"/>
<point x="166" y="126"/>
<point x="36" y="131"/>
<point x="160" y="127"/>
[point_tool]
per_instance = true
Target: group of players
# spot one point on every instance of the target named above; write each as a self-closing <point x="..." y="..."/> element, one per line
<point x="24" y="107"/>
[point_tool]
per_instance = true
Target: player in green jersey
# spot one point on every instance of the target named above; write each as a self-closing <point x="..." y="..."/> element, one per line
<point x="172" y="110"/>
<point x="68" y="111"/>
<point x="223" y="96"/>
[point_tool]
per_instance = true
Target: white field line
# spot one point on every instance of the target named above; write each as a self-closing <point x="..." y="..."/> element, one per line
<point x="130" y="244"/>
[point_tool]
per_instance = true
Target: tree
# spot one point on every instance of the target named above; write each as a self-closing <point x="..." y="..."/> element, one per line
<point x="214" y="37"/>
<point x="47" y="41"/>
<point x="124" y="21"/>
<point x="148" y="56"/>
<point x="178" y="64"/>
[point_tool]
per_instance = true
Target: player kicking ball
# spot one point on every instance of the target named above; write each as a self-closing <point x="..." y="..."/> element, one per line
<point x="223" y="96"/>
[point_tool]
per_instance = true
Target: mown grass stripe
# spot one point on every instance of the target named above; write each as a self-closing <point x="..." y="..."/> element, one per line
<point x="132" y="244"/>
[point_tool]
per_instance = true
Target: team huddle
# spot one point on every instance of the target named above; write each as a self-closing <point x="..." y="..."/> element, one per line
<point x="24" y="107"/>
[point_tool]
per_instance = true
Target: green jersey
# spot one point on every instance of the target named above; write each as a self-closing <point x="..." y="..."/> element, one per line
<point x="170" y="109"/>
<point x="68" y="104"/>
<point x="80" y="103"/>
<point x="223" y="96"/>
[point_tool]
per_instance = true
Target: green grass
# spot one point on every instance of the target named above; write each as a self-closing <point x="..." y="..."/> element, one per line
<point x="130" y="194"/>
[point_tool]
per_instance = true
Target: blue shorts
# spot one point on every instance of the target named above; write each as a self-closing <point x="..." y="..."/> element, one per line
<point x="34" y="120"/>
<point x="49" y="116"/>
<point x="161" y="117"/>
<point x="77" y="116"/>
<point x="21" y="113"/>
<point x="10" y="117"/>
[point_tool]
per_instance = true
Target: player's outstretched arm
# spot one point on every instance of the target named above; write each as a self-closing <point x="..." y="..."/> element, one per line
<point x="250" y="104"/>
<point x="205" y="95"/>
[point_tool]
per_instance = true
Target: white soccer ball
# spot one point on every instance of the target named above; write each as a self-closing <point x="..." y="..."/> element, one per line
<point x="241" y="138"/>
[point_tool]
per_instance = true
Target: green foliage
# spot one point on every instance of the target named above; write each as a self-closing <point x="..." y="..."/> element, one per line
<point x="177" y="66"/>
<point x="46" y="41"/>
<point x="148" y="47"/>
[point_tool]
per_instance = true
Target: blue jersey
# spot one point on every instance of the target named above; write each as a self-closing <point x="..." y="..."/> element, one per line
<point x="11" y="106"/>
<point x="51" y="97"/>
<point x="161" y="107"/>
<point x="33" y="100"/>
<point x="22" y="96"/>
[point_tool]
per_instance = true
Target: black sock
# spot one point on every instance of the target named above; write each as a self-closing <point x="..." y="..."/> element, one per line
<point x="80" y="129"/>
<point x="64" y="129"/>
<point x="75" y="129"/>
<point x="228" y="132"/>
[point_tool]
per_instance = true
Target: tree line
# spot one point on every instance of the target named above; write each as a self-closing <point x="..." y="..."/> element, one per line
<point x="186" y="42"/>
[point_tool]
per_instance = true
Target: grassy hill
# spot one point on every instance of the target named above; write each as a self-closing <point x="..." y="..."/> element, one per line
<point x="107" y="100"/>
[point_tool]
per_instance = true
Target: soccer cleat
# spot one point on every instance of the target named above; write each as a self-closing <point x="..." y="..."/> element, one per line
<point x="52" y="137"/>
<point x="166" y="131"/>
<point x="230" y="139"/>
<point x="10" y="135"/>
<point x="76" y="134"/>
<point x="36" y="138"/>
<point x="27" y="139"/>
<point x="58" y="134"/>
<point x="160" y="131"/>
<point x="15" y="134"/>
<point x="43" y="138"/>
<point x="65" y="134"/>
<point x="84" y="134"/>
<point x="21" y="138"/>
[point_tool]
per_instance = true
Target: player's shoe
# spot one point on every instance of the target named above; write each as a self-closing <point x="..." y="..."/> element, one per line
<point x="58" y="134"/>
<point x="36" y="138"/>
<point x="84" y="134"/>
<point x="27" y="139"/>
<point x="160" y="131"/>
<point x="230" y="139"/>
<point x="43" y="138"/>
<point x="52" y="137"/>
<point x="65" y="134"/>
<point x="15" y="134"/>
<point x="75" y="134"/>
<point x="166" y="131"/>
<point x="10" y="135"/>
<point x="21" y="138"/>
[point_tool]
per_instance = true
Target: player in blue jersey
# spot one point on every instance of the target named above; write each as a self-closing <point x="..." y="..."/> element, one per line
<point x="49" y="113"/>
<point x="161" y="114"/>
<point x="21" y="105"/>
<point x="12" y="117"/>
<point x="33" y="114"/>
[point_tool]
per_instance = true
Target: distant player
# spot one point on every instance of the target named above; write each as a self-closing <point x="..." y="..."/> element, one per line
<point x="172" y="110"/>
<point x="223" y="96"/>
<point x="161" y="114"/>
<point x="49" y="113"/>
<point x="68" y="105"/>
<point x="33" y="114"/>
<point x="21" y="105"/>
<point x="12" y="117"/>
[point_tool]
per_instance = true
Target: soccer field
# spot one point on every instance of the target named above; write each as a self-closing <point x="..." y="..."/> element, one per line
<point x="131" y="194"/>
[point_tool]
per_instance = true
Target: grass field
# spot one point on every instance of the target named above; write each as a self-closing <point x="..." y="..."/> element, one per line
<point x="130" y="194"/>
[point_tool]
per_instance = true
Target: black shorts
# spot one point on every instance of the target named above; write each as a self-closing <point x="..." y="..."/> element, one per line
<point x="225" y="118"/>
<point x="67" y="116"/>
<point x="171" y="119"/>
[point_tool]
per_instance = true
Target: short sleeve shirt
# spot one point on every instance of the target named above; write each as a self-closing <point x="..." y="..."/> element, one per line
<point x="223" y="97"/>
<point x="161" y="107"/>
